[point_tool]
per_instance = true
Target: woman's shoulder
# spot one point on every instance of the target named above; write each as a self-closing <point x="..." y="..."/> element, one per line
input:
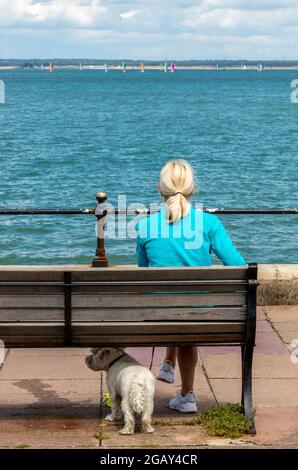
<point x="208" y="218"/>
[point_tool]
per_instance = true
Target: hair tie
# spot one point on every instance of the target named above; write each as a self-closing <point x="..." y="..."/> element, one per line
<point x="178" y="192"/>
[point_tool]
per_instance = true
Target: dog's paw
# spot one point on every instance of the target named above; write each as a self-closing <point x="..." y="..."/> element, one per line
<point x="148" y="429"/>
<point x="126" y="431"/>
<point x="110" y="418"/>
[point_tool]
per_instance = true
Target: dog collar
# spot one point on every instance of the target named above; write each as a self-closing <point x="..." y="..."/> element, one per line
<point x="115" y="360"/>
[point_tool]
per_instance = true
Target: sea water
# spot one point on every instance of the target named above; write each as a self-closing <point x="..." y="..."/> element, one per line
<point x="68" y="134"/>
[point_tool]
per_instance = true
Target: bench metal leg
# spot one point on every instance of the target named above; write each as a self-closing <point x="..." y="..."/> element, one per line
<point x="242" y="374"/>
<point x="246" y="400"/>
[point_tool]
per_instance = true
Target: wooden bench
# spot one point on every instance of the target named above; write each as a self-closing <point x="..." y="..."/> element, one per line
<point x="55" y="306"/>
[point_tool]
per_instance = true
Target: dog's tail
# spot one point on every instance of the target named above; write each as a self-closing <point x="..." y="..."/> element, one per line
<point x="138" y="394"/>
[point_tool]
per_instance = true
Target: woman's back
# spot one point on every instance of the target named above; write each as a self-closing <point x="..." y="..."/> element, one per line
<point x="187" y="242"/>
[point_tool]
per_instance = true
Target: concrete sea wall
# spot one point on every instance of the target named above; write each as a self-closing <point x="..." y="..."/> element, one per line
<point x="278" y="284"/>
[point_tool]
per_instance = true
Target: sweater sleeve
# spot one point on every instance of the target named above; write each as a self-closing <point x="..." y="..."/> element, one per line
<point x="141" y="254"/>
<point x="142" y="257"/>
<point x="222" y="245"/>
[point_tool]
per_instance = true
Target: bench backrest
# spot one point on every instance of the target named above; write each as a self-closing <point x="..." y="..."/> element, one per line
<point x="83" y="306"/>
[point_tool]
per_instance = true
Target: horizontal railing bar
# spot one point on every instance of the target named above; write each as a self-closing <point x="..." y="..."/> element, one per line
<point x="47" y="211"/>
<point x="145" y="211"/>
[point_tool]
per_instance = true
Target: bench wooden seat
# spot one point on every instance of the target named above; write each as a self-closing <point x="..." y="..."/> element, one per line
<point x="56" y="306"/>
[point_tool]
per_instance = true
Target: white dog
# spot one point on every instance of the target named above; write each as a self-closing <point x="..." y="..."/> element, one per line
<point x="131" y="387"/>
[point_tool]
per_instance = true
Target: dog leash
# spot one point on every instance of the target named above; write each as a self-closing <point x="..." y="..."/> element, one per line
<point x="152" y="356"/>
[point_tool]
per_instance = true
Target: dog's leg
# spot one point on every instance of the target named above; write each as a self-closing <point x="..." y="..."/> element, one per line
<point x="146" y="417"/>
<point x="129" y="420"/>
<point x="116" y="413"/>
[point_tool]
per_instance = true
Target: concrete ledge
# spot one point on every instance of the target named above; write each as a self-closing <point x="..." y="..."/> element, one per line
<point x="278" y="284"/>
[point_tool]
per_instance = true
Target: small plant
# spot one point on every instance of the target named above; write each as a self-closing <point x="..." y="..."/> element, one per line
<point x="22" y="446"/>
<point x="100" y="436"/>
<point x="226" y="421"/>
<point x="106" y="399"/>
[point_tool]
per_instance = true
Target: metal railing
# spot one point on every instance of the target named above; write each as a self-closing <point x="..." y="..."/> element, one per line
<point x="100" y="212"/>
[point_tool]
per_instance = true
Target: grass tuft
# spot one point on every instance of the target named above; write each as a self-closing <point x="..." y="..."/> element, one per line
<point x="22" y="446"/>
<point x="226" y="421"/>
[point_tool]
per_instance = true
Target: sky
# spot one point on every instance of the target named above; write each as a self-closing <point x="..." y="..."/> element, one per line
<point x="149" y="29"/>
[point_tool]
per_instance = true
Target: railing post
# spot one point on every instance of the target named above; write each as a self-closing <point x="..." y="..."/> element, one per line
<point x="100" y="260"/>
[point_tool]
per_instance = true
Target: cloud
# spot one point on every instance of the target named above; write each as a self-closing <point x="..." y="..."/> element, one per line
<point x="129" y="14"/>
<point x="71" y="13"/>
<point x="233" y="28"/>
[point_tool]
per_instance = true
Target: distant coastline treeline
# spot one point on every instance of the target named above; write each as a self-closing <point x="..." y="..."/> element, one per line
<point x="89" y="62"/>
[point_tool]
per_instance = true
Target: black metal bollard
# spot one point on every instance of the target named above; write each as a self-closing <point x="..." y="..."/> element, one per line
<point x="100" y="260"/>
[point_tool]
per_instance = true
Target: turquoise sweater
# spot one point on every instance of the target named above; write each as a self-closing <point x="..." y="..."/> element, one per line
<point x="187" y="242"/>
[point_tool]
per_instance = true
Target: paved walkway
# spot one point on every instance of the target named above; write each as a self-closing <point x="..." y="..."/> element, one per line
<point x="49" y="398"/>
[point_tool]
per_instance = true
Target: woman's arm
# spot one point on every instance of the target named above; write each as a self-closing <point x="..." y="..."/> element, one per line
<point x="141" y="254"/>
<point x="222" y="246"/>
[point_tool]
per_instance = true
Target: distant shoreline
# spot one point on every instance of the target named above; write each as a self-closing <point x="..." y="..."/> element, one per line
<point x="151" y="67"/>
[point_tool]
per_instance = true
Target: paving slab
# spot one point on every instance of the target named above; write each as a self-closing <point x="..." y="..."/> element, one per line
<point x="49" y="432"/>
<point x="268" y="393"/>
<point x="282" y="313"/>
<point x="48" y="352"/>
<point x="268" y="341"/>
<point x="263" y="325"/>
<point x="19" y="366"/>
<point x="165" y="435"/>
<point x="276" y="427"/>
<point x="264" y="366"/>
<point x="286" y="327"/>
<point x="48" y="393"/>
<point x="261" y="313"/>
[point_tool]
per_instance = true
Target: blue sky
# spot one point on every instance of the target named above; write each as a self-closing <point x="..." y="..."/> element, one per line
<point x="149" y="29"/>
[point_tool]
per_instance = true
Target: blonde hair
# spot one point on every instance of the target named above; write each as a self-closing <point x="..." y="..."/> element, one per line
<point x="176" y="185"/>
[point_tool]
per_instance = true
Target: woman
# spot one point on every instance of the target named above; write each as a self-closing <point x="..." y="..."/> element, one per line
<point x="162" y="242"/>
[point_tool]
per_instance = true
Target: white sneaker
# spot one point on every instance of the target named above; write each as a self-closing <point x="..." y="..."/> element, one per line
<point x="184" y="404"/>
<point x="166" y="372"/>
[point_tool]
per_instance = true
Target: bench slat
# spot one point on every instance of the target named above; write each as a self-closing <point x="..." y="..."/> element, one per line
<point x="158" y="300"/>
<point x="124" y="314"/>
<point x="124" y="300"/>
<point x="120" y="289"/>
<point x="170" y="273"/>
<point x="118" y="328"/>
<point x="29" y="301"/>
<point x="123" y="341"/>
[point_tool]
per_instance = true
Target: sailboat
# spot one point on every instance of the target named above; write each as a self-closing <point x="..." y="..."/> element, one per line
<point x="166" y="67"/>
<point x="142" y="68"/>
<point x="106" y="68"/>
<point x="123" y="67"/>
<point x="173" y="66"/>
<point x="260" y="68"/>
<point x="51" y="67"/>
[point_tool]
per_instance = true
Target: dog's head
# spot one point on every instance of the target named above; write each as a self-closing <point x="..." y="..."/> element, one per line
<point x="100" y="358"/>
